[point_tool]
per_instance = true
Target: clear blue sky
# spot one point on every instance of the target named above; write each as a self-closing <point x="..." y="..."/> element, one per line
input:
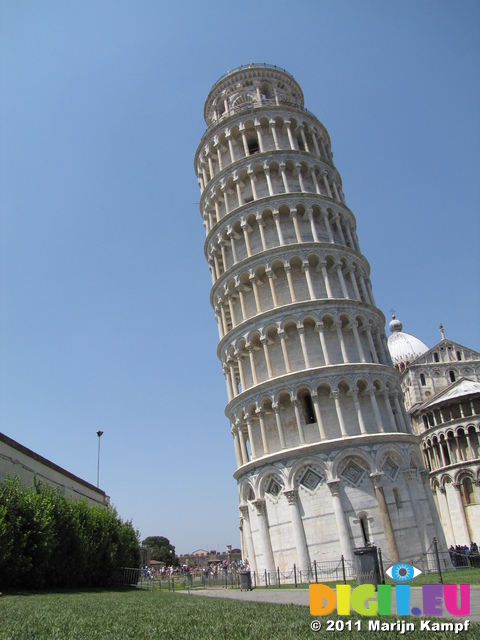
<point x="105" y="320"/>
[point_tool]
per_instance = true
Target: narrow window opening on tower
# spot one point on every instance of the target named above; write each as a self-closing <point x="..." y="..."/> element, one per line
<point x="422" y="379"/>
<point x="364" y="528"/>
<point x="446" y="454"/>
<point x="301" y="146"/>
<point x="308" y="409"/>
<point x="253" y="147"/>
<point x="452" y="376"/>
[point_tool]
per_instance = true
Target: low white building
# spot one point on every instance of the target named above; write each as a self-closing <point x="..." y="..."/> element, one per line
<point x="17" y="460"/>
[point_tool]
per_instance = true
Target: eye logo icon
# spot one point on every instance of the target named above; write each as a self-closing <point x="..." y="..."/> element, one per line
<point x="402" y="572"/>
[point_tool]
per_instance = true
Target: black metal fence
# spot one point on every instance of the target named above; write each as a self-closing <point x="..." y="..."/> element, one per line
<point x="434" y="560"/>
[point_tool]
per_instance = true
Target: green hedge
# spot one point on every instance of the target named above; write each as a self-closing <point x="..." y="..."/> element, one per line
<point x="49" y="541"/>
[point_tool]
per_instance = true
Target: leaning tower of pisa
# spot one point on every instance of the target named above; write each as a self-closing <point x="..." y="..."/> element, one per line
<point x="326" y="459"/>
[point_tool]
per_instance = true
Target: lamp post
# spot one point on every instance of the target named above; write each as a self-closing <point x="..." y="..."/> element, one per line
<point x="99" y="434"/>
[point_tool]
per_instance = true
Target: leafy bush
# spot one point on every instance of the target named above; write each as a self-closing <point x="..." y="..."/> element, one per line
<point x="48" y="540"/>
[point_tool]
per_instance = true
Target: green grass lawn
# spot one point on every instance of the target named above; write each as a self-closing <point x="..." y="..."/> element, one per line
<point x="145" y="614"/>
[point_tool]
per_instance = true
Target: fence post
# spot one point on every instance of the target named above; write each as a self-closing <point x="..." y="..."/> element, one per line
<point x="173" y="586"/>
<point x="295" y="574"/>
<point x="315" y="565"/>
<point x="343" y="570"/>
<point x="380" y="562"/>
<point x="440" y="578"/>
<point x="278" y="577"/>
<point x="254" y="579"/>
<point x="266" y="585"/>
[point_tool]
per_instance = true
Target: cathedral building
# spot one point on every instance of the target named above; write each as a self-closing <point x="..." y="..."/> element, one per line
<point x="326" y="458"/>
<point x="441" y="388"/>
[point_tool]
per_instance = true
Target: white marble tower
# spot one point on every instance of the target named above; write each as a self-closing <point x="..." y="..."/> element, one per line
<point x="326" y="459"/>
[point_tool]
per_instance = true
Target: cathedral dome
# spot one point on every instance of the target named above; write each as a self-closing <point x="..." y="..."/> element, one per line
<point x="402" y="346"/>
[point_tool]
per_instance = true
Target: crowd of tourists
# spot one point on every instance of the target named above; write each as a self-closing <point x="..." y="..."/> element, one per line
<point x="210" y="570"/>
<point x="464" y="556"/>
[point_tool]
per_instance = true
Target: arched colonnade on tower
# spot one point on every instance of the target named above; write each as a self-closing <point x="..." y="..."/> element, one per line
<point x="277" y="225"/>
<point x="388" y="480"/>
<point x="296" y="414"/>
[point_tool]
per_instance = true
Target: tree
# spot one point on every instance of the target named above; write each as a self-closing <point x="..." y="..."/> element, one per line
<point x="161" y="550"/>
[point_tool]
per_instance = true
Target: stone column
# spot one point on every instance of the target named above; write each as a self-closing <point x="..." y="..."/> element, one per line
<point x="358" y="342"/>
<point x="385" y="518"/>
<point x="249" y="348"/>
<point x="318" y="415"/>
<point x="238" y="356"/>
<point x="343" y="286"/>
<point x="264" y="341"/>
<point x="445" y="515"/>
<point x="336" y="397"/>
<point x="244" y="140"/>
<point x="464" y="533"/>
<point x="308" y="277"/>
<point x="288" y="367"/>
<point x="425" y="476"/>
<point x="236" y="444"/>
<point x="293" y="216"/>
<point x="388" y="406"/>
<point x="338" y="327"/>
<point x="358" y="409"/>
<point x="269" y="180"/>
<point x="303" y="560"/>
<point x="328" y="227"/>
<point x="264" y="534"/>
<point x="252" y="277"/>
<point x="288" y="273"/>
<point x="259" y="136"/>
<point x="243" y="447"/>
<point x="323" y="266"/>
<point x="228" y="382"/>
<point x="248" y="420"/>
<point x="341" y="520"/>
<point x="315" y="181"/>
<point x="298" y="419"/>
<point x="278" y="420"/>
<point x="371" y="344"/>
<point x="321" y="335"/>
<point x="260" y="413"/>
<point x="400" y="414"/>
<point x="251" y="175"/>
<point x="269" y="273"/>
<point x="248" y="536"/>
<point x="261" y="225"/>
<point x="410" y="476"/>
<point x="284" y="177"/>
<point x="376" y="411"/>
<point x="290" y="137"/>
<point x="301" y="333"/>
<point x="274" y="134"/>
<point x="312" y="225"/>
<point x="276" y="217"/>
<point x="339" y="228"/>
<point x="239" y="191"/>
<point x="304" y="139"/>
<point x="300" y="178"/>
<point x="327" y="186"/>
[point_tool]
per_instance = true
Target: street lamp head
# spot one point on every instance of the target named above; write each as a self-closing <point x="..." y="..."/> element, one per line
<point x="99" y="433"/>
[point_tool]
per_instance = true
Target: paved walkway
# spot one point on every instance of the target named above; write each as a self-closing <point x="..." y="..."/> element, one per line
<point x="302" y="597"/>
